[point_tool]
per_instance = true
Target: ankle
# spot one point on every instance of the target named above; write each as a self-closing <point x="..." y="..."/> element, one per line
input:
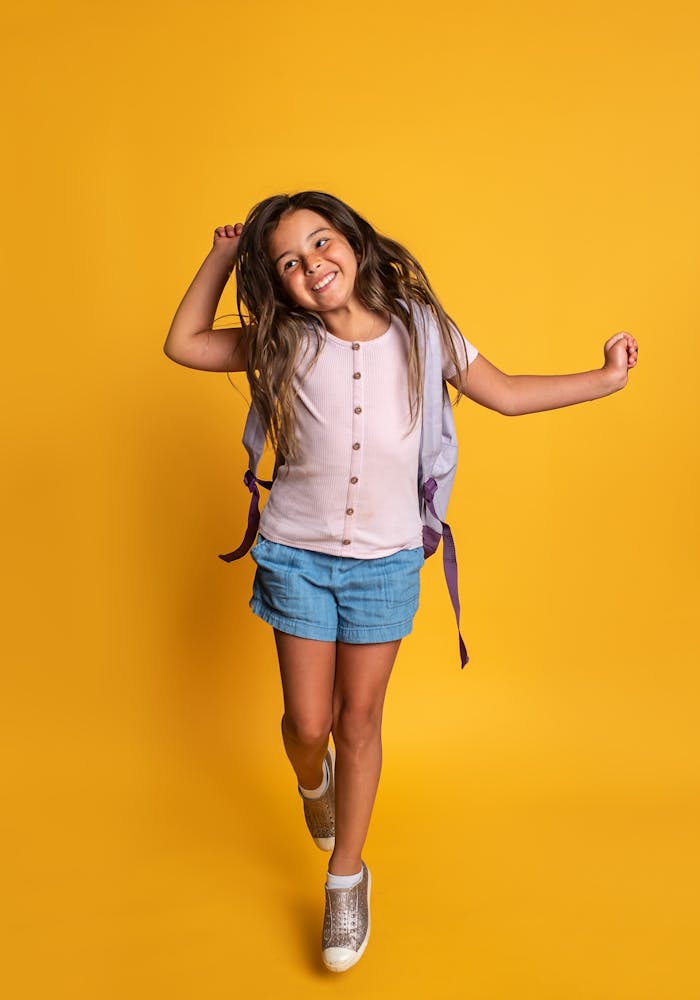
<point x="343" y="881"/>
<point x="348" y="865"/>
<point x="317" y="790"/>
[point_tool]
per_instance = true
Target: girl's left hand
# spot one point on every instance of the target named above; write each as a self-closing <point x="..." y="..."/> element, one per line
<point x="621" y="353"/>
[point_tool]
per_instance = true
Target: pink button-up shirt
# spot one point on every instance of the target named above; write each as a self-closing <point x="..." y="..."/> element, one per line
<point x="352" y="489"/>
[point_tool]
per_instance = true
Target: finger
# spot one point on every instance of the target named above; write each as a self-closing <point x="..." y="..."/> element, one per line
<point x="613" y="340"/>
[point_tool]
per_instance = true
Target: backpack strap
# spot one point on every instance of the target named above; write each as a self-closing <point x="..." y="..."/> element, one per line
<point x="431" y="540"/>
<point x="252" y="482"/>
<point x="438" y="463"/>
<point x="254" y="442"/>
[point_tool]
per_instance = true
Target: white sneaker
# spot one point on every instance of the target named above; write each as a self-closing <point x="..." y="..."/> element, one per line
<point x="346" y="924"/>
<point x="320" y="813"/>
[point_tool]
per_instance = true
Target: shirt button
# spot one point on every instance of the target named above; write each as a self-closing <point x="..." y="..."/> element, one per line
<point x="346" y="541"/>
<point x="358" y="409"/>
<point x="353" y="480"/>
<point x="349" y="511"/>
<point x="357" y="375"/>
<point x="355" y="347"/>
<point x="356" y="446"/>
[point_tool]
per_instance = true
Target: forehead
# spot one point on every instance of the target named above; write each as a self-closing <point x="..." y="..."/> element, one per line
<point x="293" y="229"/>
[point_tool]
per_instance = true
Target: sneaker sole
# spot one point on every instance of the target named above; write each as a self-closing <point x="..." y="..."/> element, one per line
<point x="335" y="962"/>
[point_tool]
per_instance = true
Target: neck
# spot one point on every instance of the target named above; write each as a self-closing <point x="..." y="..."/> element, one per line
<point x="355" y="322"/>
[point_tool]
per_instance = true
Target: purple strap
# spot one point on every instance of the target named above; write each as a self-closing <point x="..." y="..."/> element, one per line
<point x="252" y="483"/>
<point x="431" y="540"/>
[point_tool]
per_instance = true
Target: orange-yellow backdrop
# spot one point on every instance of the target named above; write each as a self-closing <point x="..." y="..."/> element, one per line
<point x="535" y="830"/>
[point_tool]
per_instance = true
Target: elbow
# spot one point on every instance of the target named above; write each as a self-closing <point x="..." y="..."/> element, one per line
<point x="170" y="355"/>
<point x="497" y="393"/>
<point x="493" y="389"/>
<point x="498" y="404"/>
<point x="511" y="405"/>
<point x="507" y="404"/>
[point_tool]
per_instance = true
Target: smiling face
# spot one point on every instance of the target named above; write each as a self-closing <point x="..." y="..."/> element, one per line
<point x="314" y="262"/>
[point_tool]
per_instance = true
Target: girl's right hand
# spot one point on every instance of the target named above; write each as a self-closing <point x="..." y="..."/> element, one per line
<point x="226" y="240"/>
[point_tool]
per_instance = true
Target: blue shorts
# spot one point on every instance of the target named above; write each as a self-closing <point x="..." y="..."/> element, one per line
<point x="336" y="598"/>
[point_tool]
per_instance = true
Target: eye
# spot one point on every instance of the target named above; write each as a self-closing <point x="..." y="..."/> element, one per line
<point x="288" y="263"/>
<point x="321" y="240"/>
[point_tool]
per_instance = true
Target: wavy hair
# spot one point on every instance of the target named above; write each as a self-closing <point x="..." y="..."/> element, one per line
<point x="389" y="279"/>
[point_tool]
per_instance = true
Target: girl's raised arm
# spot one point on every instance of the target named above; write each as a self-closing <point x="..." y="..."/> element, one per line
<point x="514" y="395"/>
<point x="191" y="341"/>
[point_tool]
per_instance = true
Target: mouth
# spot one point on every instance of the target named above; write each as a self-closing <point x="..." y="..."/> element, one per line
<point x="324" y="282"/>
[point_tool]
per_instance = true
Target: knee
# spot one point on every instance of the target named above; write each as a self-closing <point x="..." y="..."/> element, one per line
<point x="306" y="729"/>
<point x="355" y="725"/>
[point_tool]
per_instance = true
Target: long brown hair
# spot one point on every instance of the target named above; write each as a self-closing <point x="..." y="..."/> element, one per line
<point x="388" y="279"/>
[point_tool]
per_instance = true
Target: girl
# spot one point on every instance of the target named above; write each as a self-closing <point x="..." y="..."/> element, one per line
<point x="330" y="341"/>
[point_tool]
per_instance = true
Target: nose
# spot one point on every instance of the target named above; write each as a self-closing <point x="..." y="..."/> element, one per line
<point x="312" y="264"/>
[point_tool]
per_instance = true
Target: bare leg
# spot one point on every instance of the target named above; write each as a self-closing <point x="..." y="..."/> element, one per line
<point x="361" y="677"/>
<point x="307" y="669"/>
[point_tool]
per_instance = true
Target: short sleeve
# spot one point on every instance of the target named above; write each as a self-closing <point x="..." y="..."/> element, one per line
<point x="466" y="352"/>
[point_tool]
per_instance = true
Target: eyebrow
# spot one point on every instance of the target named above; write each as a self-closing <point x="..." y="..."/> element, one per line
<point x="322" y="229"/>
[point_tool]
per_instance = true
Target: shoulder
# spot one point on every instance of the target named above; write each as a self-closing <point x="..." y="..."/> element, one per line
<point x="423" y="318"/>
<point x="413" y="307"/>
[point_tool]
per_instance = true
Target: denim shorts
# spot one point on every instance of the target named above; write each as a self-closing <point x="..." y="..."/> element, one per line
<point x="336" y="598"/>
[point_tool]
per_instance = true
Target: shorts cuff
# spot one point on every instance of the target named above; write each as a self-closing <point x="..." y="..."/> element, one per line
<point x="383" y="633"/>
<point x="291" y="626"/>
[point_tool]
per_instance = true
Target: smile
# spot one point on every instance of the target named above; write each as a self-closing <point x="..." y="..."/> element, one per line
<point x="324" y="282"/>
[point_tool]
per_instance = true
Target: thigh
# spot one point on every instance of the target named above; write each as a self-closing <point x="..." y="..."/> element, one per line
<point x="307" y="670"/>
<point x="362" y="673"/>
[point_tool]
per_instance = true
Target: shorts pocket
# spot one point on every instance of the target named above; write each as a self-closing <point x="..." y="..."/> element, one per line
<point x="401" y="580"/>
<point x="276" y="569"/>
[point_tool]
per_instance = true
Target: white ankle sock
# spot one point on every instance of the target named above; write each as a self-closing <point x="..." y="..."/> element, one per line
<point x="316" y="793"/>
<point x="342" y="881"/>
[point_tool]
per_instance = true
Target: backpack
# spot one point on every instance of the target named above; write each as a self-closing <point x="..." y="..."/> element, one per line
<point x="436" y="470"/>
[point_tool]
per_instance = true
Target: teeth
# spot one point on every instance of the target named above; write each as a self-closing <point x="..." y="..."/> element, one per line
<point x="326" y="281"/>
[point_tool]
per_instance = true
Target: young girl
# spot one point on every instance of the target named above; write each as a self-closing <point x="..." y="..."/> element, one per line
<point x="331" y="344"/>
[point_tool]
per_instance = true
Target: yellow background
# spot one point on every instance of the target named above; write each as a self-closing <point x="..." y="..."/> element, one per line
<point x="536" y="828"/>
